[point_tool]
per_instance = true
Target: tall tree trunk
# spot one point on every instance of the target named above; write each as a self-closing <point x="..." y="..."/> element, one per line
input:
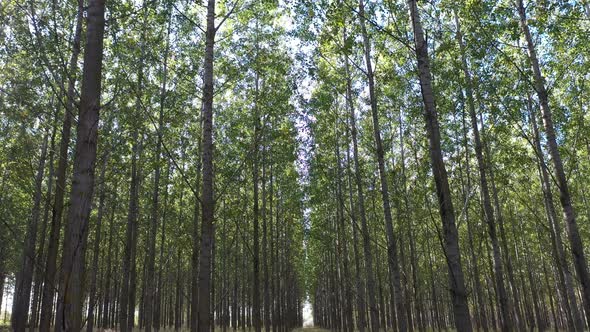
<point x="361" y="323"/>
<point x="484" y="189"/>
<point x="207" y="199"/>
<point x="195" y="255"/>
<point x="412" y="241"/>
<point x="369" y="271"/>
<point x="160" y="284"/>
<point x="39" y="260"/>
<point x="3" y="237"/>
<point x="24" y="279"/>
<point x="107" y="306"/>
<point x="265" y="262"/>
<point x="564" y="275"/>
<point x="49" y="280"/>
<point x="394" y="272"/>
<point x="256" y="249"/>
<point x="577" y="247"/>
<point x="92" y="298"/>
<point x="481" y="309"/>
<point x="69" y="309"/>
<point x="149" y="290"/>
<point x="347" y="294"/>
<point x="130" y="235"/>
<point x="450" y="233"/>
<point x="132" y="290"/>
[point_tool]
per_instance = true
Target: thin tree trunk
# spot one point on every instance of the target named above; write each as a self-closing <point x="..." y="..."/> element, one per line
<point x="24" y="279"/>
<point x="195" y="255"/>
<point x="149" y="291"/>
<point x="92" y="298"/>
<point x="347" y="294"/>
<point x="158" y="300"/>
<point x="207" y="200"/>
<point x="38" y="281"/>
<point x="256" y="249"/>
<point x="394" y="271"/>
<point x="49" y="280"/>
<point x="485" y="192"/>
<point x="195" y="241"/>
<point x="565" y="279"/>
<point x="108" y="307"/>
<point x="130" y="234"/>
<point x="69" y="310"/>
<point x="577" y="247"/>
<point x="267" y="314"/>
<point x="361" y="323"/>
<point x="369" y="271"/>
<point x="3" y="240"/>
<point x="450" y="234"/>
<point x="483" y="320"/>
<point x="406" y="215"/>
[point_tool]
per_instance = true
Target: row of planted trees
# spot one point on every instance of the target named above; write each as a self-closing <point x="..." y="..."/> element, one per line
<point x="489" y="100"/>
<point x="117" y="210"/>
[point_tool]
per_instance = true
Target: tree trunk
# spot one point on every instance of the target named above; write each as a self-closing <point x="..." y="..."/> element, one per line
<point x="577" y="247"/>
<point x="107" y="306"/>
<point x="394" y="272"/>
<point x="49" y="285"/>
<point x="484" y="189"/>
<point x="24" y="279"/>
<point x="361" y="323"/>
<point x="39" y="261"/>
<point x="347" y="294"/>
<point x="369" y="271"/>
<point x="130" y="234"/>
<point x="256" y="249"/>
<point x="450" y="234"/>
<point x="69" y="310"/>
<point x="3" y="239"/>
<point x="160" y="284"/>
<point x="207" y="199"/>
<point x="481" y="310"/>
<point x="564" y="275"/>
<point x="265" y="262"/>
<point x="92" y="298"/>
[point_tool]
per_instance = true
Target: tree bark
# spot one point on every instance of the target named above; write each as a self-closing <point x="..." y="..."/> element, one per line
<point x="488" y="210"/>
<point x="369" y="271"/>
<point x="256" y="226"/>
<point x="481" y="310"/>
<point x="565" y="279"/>
<point x="130" y="235"/>
<point x="207" y="199"/>
<point x="394" y="271"/>
<point x="49" y="285"/>
<point x="361" y="322"/>
<point x="576" y="244"/>
<point x="69" y="309"/>
<point x="92" y="298"/>
<point x="265" y="262"/>
<point x="24" y="279"/>
<point x="450" y="233"/>
<point x="40" y="257"/>
<point x="347" y="294"/>
<point x="107" y="307"/>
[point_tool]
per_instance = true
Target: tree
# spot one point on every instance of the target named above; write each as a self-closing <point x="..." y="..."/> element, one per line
<point x="207" y="198"/>
<point x="577" y="248"/>
<point x="450" y="234"/>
